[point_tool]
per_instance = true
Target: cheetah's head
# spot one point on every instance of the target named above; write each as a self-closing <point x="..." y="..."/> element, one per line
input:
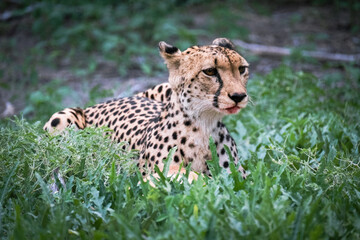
<point x="208" y="79"/>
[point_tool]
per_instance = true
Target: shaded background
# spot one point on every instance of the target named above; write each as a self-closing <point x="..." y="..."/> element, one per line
<point x="75" y="53"/>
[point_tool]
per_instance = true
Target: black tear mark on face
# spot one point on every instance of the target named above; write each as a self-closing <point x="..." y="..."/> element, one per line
<point x="216" y="96"/>
<point x="55" y="122"/>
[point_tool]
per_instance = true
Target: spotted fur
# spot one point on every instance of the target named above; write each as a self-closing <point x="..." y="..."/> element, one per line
<point x="205" y="84"/>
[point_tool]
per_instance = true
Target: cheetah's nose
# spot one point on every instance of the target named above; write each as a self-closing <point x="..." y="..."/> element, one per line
<point x="237" y="97"/>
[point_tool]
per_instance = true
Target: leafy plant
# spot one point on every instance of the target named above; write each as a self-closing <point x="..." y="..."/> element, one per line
<point x="299" y="143"/>
<point x="43" y="102"/>
<point x="87" y="28"/>
<point x="228" y="26"/>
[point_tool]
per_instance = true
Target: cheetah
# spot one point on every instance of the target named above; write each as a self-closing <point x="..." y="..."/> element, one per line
<point x="205" y="83"/>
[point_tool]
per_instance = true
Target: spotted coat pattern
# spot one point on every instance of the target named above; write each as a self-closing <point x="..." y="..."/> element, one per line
<point x="205" y="84"/>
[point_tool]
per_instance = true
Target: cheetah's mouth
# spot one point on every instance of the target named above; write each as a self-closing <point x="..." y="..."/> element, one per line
<point x="232" y="110"/>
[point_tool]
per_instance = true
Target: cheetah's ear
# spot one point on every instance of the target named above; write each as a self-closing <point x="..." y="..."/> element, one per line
<point x="168" y="51"/>
<point x="224" y="42"/>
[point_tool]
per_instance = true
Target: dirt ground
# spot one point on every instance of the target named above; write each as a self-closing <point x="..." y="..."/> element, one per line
<point x="305" y="27"/>
<point x="310" y="28"/>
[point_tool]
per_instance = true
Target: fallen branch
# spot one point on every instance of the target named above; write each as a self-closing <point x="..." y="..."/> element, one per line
<point x="7" y="15"/>
<point x="280" y="51"/>
<point x="9" y="110"/>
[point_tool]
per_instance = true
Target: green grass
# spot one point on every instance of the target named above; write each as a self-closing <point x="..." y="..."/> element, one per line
<point x="299" y="142"/>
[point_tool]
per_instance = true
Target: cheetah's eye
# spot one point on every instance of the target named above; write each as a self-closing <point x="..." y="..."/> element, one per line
<point x="242" y="69"/>
<point x="210" y="71"/>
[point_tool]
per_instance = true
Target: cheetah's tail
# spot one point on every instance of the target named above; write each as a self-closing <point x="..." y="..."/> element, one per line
<point x="61" y="120"/>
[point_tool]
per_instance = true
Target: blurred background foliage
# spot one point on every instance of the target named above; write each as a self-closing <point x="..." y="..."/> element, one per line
<point x="69" y="42"/>
<point x="123" y="32"/>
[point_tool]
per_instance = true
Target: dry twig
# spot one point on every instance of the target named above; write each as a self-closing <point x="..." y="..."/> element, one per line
<point x="281" y="51"/>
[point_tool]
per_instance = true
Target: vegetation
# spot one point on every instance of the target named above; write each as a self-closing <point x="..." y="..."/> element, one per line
<point x="83" y="38"/>
<point x="299" y="143"/>
<point x="299" y="140"/>
<point x="104" y="27"/>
